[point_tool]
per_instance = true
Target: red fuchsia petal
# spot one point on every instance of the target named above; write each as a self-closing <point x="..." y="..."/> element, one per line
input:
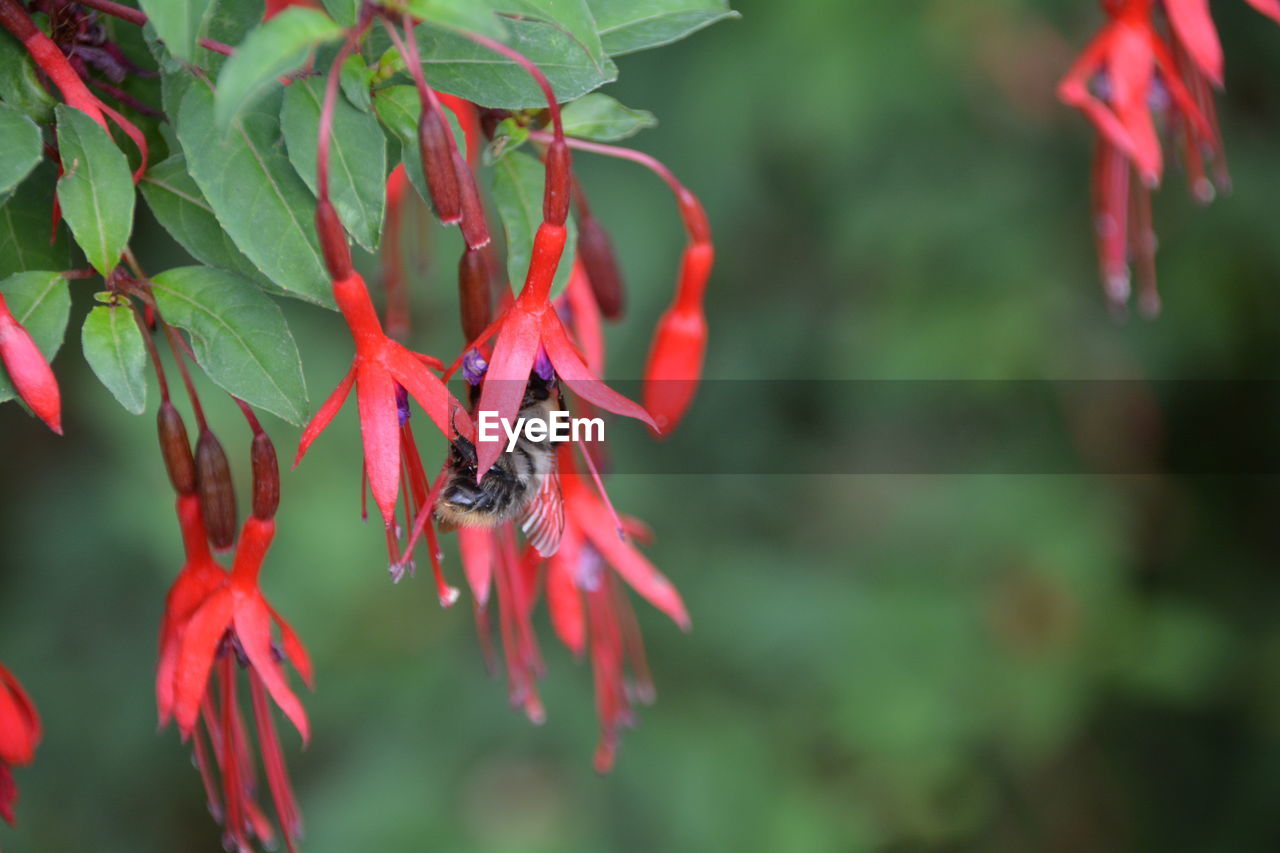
<point x="379" y="429"/>
<point x="1270" y="8"/>
<point x="1130" y="66"/>
<point x="564" y="602"/>
<point x="188" y="592"/>
<point x="293" y="649"/>
<point x="8" y="794"/>
<point x="253" y="628"/>
<point x="200" y="641"/>
<point x="325" y="414"/>
<point x="1073" y="90"/>
<point x="478" y="552"/>
<point x="275" y="7"/>
<point x="634" y="567"/>
<point x="432" y="395"/>
<point x="508" y="373"/>
<point x="19" y="722"/>
<point x="570" y="368"/>
<point x="31" y="375"/>
<point x="1194" y="27"/>
<point x="587" y="327"/>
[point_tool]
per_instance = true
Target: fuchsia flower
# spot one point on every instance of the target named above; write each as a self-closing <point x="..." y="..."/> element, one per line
<point x="1130" y="74"/>
<point x="31" y="375"/>
<point x="591" y="545"/>
<point x="19" y="735"/>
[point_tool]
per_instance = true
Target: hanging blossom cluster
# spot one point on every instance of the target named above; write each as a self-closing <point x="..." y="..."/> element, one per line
<point x="1152" y="68"/>
<point x="224" y="650"/>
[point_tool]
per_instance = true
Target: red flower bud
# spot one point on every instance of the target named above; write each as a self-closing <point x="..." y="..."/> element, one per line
<point x="333" y="240"/>
<point x="555" y="199"/>
<point x="473" y="293"/>
<point x="436" y="150"/>
<point x="596" y="251"/>
<point x="474" y="228"/>
<point x="176" y="449"/>
<point x="216" y="492"/>
<point x="674" y="367"/>
<point x="30" y="373"/>
<point x="266" y="477"/>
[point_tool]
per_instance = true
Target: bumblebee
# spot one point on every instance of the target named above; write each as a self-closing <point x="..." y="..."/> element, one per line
<point x="523" y="485"/>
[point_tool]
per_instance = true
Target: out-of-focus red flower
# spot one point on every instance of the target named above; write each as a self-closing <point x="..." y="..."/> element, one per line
<point x="19" y="735"/>
<point x="590" y="611"/>
<point x="31" y="375"/>
<point x="275" y="7"/>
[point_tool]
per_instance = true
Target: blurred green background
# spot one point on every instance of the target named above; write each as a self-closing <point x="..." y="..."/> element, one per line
<point x="877" y="663"/>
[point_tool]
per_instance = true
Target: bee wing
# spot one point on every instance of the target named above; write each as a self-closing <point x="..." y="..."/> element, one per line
<point x="543" y="520"/>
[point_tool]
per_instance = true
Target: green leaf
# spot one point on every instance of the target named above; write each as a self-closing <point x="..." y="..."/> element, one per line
<point x="518" y="181"/>
<point x="600" y="117"/>
<point x="471" y="15"/>
<point x="114" y="349"/>
<point x="355" y="80"/>
<point x="345" y="12"/>
<point x="20" y="141"/>
<point x="238" y="335"/>
<point x="20" y="88"/>
<point x="40" y="302"/>
<point x="179" y="206"/>
<point x="572" y="17"/>
<point x="178" y="23"/>
<point x="26" y="222"/>
<point x="459" y="66"/>
<point x="507" y="137"/>
<point x="626" y="26"/>
<point x="254" y="191"/>
<point x="277" y="47"/>
<point x="398" y="107"/>
<point x="95" y="190"/>
<point x="357" y="157"/>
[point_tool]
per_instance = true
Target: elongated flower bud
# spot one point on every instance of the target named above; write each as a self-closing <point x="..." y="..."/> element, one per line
<point x="176" y="449"/>
<point x="674" y="368"/>
<point x="596" y="251"/>
<point x="555" y="200"/>
<point x="31" y="375"/>
<point x="216" y="491"/>
<point x="438" y="166"/>
<point x="266" y="477"/>
<point x="474" y="228"/>
<point x="333" y="240"/>
<point x="473" y="293"/>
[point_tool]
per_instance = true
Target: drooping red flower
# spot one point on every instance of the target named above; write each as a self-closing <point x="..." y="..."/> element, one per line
<point x="590" y="610"/>
<point x="531" y="322"/>
<point x="20" y="733"/>
<point x="380" y="366"/>
<point x="31" y="375"/>
<point x="1127" y="76"/>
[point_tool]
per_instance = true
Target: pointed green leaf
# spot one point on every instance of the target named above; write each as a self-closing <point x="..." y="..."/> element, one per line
<point x="40" y="301"/>
<point x="95" y="190"/>
<point x="239" y="337"/>
<point x="357" y="157"/>
<point x="459" y="66"/>
<point x="627" y="26"/>
<point x="602" y="118"/>
<point x="254" y="191"/>
<point x="26" y="224"/>
<point x="182" y="210"/>
<point x="20" y="87"/>
<point x="277" y="47"/>
<point x="518" y="179"/>
<point x="398" y="108"/>
<point x="469" y="15"/>
<point x="178" y="23"/>
<point x="345" y="12"/>
<point x="114" y="349"/>
<point x="20" y="141"/>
